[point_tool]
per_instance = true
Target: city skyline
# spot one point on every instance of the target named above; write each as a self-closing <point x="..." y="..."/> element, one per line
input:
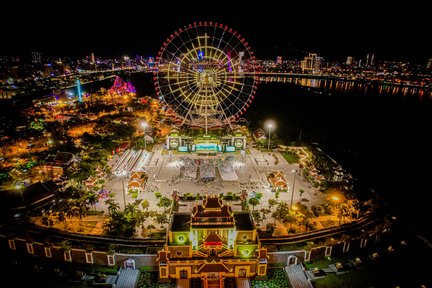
<point x="289" y="32"/>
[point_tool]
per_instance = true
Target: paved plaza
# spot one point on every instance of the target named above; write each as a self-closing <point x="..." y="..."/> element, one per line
<point x="252" y="170"/>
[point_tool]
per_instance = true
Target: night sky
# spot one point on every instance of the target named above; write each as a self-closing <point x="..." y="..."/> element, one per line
<point x="334" y="31"/>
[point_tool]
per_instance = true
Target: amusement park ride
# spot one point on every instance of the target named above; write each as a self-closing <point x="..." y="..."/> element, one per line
<point x="206" y="78"/>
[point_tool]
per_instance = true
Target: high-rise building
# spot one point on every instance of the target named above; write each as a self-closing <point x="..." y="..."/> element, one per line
<point x="36" y="57"/>
<point x="308" y="63"/>
<point x="429" y="64"/>
<point x="372" y="62"/>
<point x="279" y="60"/>
<point x="349" y="60"/>
<point x="367" y="59"/>
<point x="92" y="58"/>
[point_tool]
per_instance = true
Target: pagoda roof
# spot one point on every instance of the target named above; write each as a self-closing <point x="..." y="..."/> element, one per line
<point x="243" y="221"/>
<point x="212" y="202"/>
<point x="209" y="267"/>
<point x="213" y="237"/>
<point x="200" y="211"/>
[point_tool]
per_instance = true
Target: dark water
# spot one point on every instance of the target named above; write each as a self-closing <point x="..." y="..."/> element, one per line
<point x="383" y="139"/>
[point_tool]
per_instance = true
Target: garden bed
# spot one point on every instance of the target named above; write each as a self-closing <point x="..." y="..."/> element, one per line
<point x="150" y="280"/>
<point x="275" y="279"/>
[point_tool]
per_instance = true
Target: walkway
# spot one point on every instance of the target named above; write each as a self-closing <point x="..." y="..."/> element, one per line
<point x="242" y="283"/>
<point x="128" y="278"/>
<point x="183" y="283"/>
<point x="297" y="277"/>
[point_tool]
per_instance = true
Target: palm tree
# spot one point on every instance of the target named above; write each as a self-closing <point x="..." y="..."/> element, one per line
<point x="265" y="212"/>
<point x="150" y="227"/>
<point x="65" y="245"/>
<point x="113" y="207"/>
<point x="62" y="218"/>
<point x="82" y="212"/>
<point x="290" y="219"/>
<point x="145" y="204"/>
<point x="253" y="201"/>
<point x="164" y="202"/>
<point x="92" y="199"/>
<point x="70" y="213"/>
<point x="256" y="216"/>
<point x="271" y="203"/>
<point x="131" y="208"/>
<point x="161" y="219"/>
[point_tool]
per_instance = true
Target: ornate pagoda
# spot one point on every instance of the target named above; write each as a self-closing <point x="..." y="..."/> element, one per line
<point x="212" y="243"/>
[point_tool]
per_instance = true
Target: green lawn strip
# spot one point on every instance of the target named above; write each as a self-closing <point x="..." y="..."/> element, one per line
<point x="291" y="157"/>
<point x="353" y="279"/>
<point x="275" y="279"/>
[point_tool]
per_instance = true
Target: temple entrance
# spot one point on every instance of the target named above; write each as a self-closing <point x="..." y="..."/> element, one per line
<point x="183" y="274"/>
<point x="242" y="273"/>
<point x="213" y="280"/>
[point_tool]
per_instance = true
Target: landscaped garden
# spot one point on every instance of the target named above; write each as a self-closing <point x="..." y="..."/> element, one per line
<point x="275" y="279"/>
<point x="150" y="280"/>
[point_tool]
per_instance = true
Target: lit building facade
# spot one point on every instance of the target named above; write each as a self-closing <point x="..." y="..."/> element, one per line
<point x="212" y="243"/>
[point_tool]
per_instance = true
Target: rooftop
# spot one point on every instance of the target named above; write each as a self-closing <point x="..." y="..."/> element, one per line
<point x="243" y="221"/>
<point x="181" y="222"/>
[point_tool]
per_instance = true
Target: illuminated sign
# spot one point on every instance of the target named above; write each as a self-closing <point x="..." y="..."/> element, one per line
<point x="174" y="143"/>
<point x="230" y="149"/>
<point x="183" y="149"/>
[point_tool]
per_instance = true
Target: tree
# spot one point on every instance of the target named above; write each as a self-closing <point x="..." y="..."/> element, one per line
<point x="272" y="202"/>
<point x="113" y="207"/>
<point x="253" y="201"/>
<point x="164" y="202"/>
<point x="161" y="218"/>
<point x="145" y="204"/>
<point x="66" y="245"/>
<point x="265" y="212"/>
<point x="131" y="209"/>
<point x="256" y="216"/>
<point x="92" y="199"/>
<point x="290" y="219"/>
<point x="150" y="227"/>
<point x="258" y="195"/>
<point x="270" y="227"/>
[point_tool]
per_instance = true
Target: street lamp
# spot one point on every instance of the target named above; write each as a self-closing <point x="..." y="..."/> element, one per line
<point x="123" y="174"/>
<point x="292" y="192"/>
<point x="19" y="188"/>
<point x="269" y="125"/>
<point x="144" y="125"/>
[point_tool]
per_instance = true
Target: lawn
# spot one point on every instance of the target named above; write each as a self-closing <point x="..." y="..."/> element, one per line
<point x="291" y="157"/>
<point x="150" y="280"/>
<point x="275" y="279"/>
<point x="353" y="279"/>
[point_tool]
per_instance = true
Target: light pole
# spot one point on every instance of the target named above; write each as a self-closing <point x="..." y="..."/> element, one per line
<point x="19" y="188"/>
<point x="292" y="192"/>
<point x="144" y="125"/>
<point x="270" y="125"/>
<point x="123" y="174"/>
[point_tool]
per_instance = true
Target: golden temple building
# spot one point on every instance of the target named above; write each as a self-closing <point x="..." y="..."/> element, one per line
<point x="212" y="243"/>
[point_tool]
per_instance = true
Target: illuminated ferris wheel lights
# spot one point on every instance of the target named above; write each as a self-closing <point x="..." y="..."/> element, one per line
<point x="207" y="78"/>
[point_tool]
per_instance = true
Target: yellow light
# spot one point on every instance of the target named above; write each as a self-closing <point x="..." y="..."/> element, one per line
<point x="335" y="198"/>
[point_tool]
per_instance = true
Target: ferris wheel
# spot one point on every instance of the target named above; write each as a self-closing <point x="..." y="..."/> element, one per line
<point x="206" y="75"/>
